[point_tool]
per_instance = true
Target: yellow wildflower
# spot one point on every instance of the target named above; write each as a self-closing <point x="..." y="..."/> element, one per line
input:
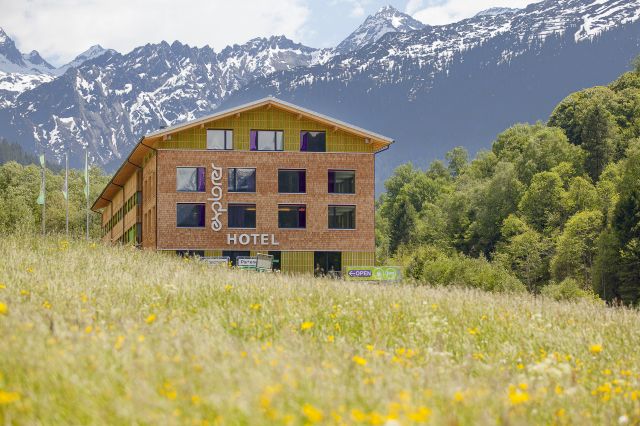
<point x="312" y="414"/>
<point x="420" y="415"/>
<point x="359" y="360"/>
<point x="595" y="349"/>
<point x="228" y="287"/>
<point x="150" y="319"/>
<point x="46" y="304"/>
<point x="4" y="310"/>
<point x="358" y="416"/>
<point x="306" y="325"/>
<point x="472" y="331"/>
<point x="195" y="400"/>
<point x="517" y="396"/>
<point x="24" y="292"/>
<point x="458" y="396"/>
<point x="256" y="307"/>
<point x="141" y="338"/>
<point x="8" y="397"/>
<point x="2" y="286"/>
<point x="168" y="391"/>
<point x="119" y="343"/>
<point x="331" y="339"/>
<point x="88" y="329"/>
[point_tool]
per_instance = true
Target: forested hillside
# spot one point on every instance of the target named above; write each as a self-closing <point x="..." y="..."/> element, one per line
<point x="555" y="206"/>
<point x="19" y="188"/>
<point x="14" y="152"/>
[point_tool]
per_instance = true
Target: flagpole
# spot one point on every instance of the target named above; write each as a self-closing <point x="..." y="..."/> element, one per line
<point x="44" y="199"/>
<point x="66" y="188"/>
<point x="86" y="171"/>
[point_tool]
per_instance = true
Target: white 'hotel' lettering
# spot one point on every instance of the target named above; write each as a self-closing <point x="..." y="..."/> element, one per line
<point x="256" y="239"/>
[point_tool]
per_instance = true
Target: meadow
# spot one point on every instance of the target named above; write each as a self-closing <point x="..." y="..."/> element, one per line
<point x="113" y="335"/>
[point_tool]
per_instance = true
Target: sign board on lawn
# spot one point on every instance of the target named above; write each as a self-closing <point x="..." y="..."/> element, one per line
<point x="264" y="263"/>
<point x="216" y="260"/>
<point x="373" y="273"/>
<point x="246" y="262"/>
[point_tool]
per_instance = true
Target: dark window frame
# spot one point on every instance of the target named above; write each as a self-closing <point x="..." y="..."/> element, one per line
<point x="293" y="205"/>
<point x="258" y="142"/>
<point x="255" y="178"/>
<point x="204" y="181"/>
<point x="355" y="216"/>
<point x="230" y="205"/>
<point x="204" y="217"/>
<point x="293" y="170"/>
<point x="341" y="170"/>
<point x="302" y="132"/>
<point x="226" y="142"/>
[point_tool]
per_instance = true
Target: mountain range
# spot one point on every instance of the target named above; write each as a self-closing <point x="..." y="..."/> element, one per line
<point x="429" y="87"/>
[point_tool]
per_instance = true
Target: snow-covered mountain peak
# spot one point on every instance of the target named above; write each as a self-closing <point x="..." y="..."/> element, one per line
<point x="33" y="58"/>
<point x="3" y="36"/>
<point x="495" y="11"/>
<point x="387" y="19"/>
<point x="93" y="52"/>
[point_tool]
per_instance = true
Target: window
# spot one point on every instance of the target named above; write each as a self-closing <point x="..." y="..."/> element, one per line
<point x="190" y="179"/>
<point x="267" y="140"/>
<point x="219" y="139"/>
<point x="292" y="181"/>
<point x="342" y="182"/>
<point x="242" y="180"/>
<point x="190" y="215"/>
<point x="313" y="141"/>
<point x="342" y="217"/>
<point x="292" y="216"/>
<point x="327" y="263"/>
<point x="277" y="260"/>
<point x="242" y="215"/>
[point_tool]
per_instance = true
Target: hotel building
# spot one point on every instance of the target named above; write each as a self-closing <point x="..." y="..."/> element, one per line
<point x="264" y="177"/>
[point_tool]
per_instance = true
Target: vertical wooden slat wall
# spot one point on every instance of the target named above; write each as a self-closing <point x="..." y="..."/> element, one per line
<point x="267" y="119"/>
<point x="358" y="259"/>
<point x="300" y="262"/>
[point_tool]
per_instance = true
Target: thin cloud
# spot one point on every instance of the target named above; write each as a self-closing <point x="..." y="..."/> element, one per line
<point x="446" y="12"/>
<point x="62" y="29"/>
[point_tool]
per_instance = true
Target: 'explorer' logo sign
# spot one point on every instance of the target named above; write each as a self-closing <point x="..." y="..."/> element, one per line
<point x="216" y="197"/>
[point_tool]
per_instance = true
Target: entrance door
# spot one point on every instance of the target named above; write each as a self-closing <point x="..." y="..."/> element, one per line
<point x="327" y="263"/>
<point x="277" y="257"/>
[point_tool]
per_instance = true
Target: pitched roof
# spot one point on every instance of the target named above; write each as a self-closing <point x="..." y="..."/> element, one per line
<point x="135" y="158"/>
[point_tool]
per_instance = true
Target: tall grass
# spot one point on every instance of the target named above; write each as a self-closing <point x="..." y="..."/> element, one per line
<point x="94" y="335"/>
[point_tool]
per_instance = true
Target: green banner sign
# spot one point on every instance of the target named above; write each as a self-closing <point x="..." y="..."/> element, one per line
<point x="373" y="273"/>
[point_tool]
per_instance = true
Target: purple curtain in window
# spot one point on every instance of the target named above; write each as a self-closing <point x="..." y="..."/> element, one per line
<point x="302" y="217"/>
<point x="304" y="141"/>
<point x="201" y="180"/>
<point x="254" y="141"/>
<point x="332" y="181"/>
<point x="302" y="183"/>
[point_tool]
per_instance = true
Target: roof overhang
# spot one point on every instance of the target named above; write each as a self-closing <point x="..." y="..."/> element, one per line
<point x="145" y="144"/>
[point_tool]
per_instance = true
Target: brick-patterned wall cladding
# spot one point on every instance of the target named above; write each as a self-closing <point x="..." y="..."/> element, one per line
<point x="316" y="236"/>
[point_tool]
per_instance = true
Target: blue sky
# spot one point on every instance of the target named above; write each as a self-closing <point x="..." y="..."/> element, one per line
<point x="61" y="29"/>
